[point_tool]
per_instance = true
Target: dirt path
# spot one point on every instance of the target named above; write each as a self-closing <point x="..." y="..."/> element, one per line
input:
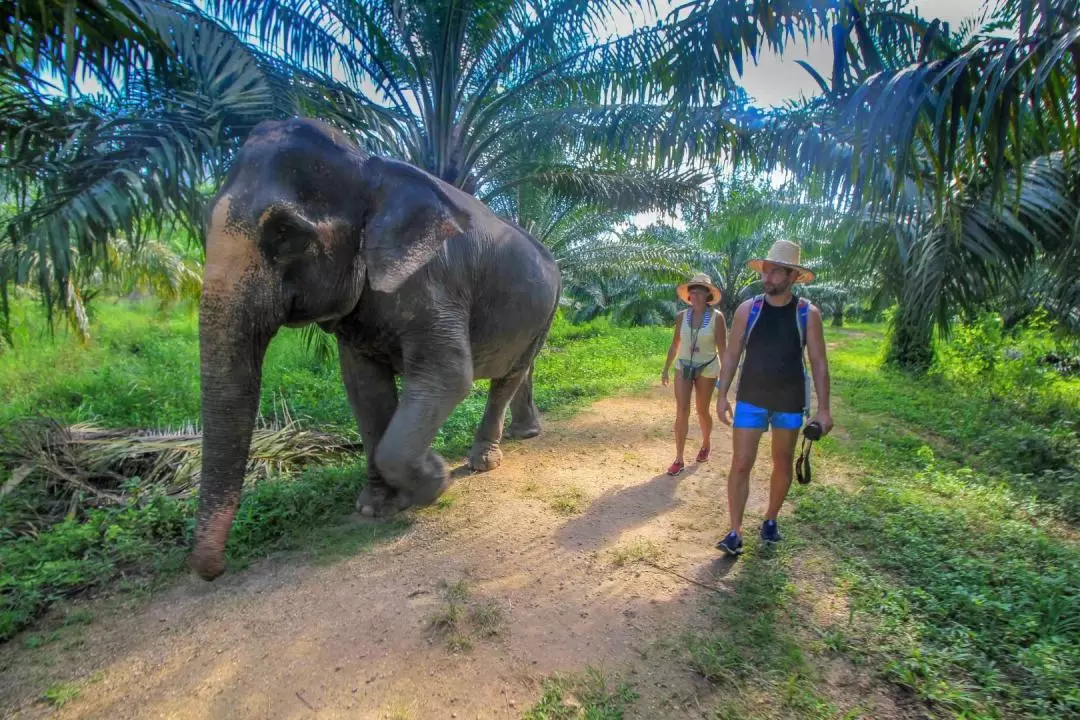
<point x="536" y="552"/>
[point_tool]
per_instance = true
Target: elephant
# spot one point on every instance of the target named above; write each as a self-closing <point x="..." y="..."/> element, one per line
<point x="412" y="276"/>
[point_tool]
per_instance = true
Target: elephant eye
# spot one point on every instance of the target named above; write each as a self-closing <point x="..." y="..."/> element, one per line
<point x="286" y="234"/>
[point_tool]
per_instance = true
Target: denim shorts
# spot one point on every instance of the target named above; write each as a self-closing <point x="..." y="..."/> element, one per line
<point x="751" y="417"/>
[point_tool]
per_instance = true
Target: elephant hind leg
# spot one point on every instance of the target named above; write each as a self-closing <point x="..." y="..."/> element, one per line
<point x="485" y="453"/>
<point x="524" y="416"/>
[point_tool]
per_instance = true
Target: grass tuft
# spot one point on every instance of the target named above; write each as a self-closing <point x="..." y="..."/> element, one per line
<point x="588" y="695"/>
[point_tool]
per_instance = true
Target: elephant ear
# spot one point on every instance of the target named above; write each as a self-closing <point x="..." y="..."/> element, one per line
<point x="412" y="220"/>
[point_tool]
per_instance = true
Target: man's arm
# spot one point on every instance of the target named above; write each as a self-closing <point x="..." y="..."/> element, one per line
<point x="730" y="363"/>
<point x="819" y="367"/>
<point x="733" y="350"/>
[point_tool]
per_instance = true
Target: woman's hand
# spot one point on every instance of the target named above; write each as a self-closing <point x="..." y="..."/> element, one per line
<point x="664" y="377"/>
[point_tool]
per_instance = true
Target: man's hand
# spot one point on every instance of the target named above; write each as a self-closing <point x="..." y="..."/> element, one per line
<point x="664" y="377"/>
<point x="723" y="409"/>
<point x="824" y="419"/>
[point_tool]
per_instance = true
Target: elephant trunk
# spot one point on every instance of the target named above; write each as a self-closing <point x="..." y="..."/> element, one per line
<point x="232" y="343"/>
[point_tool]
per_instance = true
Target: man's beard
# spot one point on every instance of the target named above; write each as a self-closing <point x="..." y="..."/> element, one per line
<point x="771" y="289"/>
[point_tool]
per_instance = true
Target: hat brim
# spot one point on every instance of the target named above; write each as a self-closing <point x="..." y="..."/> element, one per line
<point x="804" y="275"/>
<point x="683" y="292"/>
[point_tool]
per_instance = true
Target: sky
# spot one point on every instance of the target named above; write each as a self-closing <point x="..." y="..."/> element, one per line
<point x="775" y="80"/>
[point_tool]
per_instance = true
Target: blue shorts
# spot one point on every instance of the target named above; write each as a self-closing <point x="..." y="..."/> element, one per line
<point x="751" y="417"/>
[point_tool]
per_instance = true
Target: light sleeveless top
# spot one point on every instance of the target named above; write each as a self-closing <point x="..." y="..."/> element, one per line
<point x="697" y="346"/>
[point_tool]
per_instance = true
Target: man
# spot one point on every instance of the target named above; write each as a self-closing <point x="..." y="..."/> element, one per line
<point x="773" y="389"/>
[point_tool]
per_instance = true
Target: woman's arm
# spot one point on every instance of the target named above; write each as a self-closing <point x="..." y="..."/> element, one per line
<point x="720" y="334"/>
<point x="674" y="348"/>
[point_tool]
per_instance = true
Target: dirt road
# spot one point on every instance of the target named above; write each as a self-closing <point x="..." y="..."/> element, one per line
<point x="520" y="573"/>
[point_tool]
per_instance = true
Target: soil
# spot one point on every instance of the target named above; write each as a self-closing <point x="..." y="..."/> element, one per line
<point x="545" y="546"/>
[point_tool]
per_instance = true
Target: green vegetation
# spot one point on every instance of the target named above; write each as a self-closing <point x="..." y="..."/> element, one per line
<point x="141" y="370"/>
<point x="462" y="618"/>
<point x="588" y="695"/>
<point x="952" y="553"/>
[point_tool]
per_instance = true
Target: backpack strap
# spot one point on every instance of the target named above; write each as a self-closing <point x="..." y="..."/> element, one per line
<point x="755" y="313"/>
<point x="802" y="315"/>
<point x="751" y="320"/>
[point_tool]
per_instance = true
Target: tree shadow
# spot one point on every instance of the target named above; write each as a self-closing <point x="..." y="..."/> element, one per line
<point x="620" y="509"/>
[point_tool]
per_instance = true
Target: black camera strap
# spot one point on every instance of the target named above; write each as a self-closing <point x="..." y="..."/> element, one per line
<point x="802" y="465"/>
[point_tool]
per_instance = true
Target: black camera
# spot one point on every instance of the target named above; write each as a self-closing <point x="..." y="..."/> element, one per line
<point x="812" y="431"/>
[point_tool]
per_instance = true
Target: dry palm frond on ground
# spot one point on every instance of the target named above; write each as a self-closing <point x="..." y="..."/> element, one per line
<point x="90" y="466"/>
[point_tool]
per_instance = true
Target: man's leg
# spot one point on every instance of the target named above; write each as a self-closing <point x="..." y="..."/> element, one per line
<point x="785" y="434"/>
<point x="748" y="425"/>
<point x="783" y="462"/>
<point x="744" y="449"/>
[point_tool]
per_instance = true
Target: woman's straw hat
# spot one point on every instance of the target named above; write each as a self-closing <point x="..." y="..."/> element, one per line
<point x="703" y="280"/>
<point x="786" y="253"/>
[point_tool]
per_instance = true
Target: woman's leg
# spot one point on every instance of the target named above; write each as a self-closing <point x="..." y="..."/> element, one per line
<point x="704" y="387"/>
<point x="682" y="413"/>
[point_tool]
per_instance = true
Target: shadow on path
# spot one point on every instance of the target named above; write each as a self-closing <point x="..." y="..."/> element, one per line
<point x="620" y="509"/>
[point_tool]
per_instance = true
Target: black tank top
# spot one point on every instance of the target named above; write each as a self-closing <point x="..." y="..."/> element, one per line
<point x="772" y="370"/>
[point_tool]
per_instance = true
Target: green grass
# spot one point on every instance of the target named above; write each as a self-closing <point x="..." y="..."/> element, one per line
<point x="586" y="696"/>
<point x="951" y="546"/>
<point x="959" y="568"/>
<point x="756" y="649"/>
<point x="461" y="618"/>
<point x="140" y="369"/>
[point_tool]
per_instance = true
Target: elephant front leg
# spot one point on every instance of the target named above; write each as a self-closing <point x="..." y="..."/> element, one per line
<point x="524" y="417"/>
<point x="404" y="457"/>
<point x="373" y="398"/>
<point x="485" y="453"/>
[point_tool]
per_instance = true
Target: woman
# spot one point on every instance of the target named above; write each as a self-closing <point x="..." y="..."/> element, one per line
<point x="698" y="344"/>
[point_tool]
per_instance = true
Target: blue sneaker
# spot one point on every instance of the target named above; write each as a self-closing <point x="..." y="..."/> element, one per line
<point x="732" y="544"/>
<point x="769" y="531"/>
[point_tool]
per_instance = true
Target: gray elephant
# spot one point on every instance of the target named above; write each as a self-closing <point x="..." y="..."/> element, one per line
<point x="414" y="278"/>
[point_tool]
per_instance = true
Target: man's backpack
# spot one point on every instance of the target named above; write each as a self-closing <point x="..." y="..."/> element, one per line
<point x="802" y="316"/>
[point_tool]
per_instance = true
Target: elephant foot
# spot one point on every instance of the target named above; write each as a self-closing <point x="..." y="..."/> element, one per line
<point x="523" y="431"/>
<point x="429" y="480"/>
<point x="378" y="499"/>
<point x="484" y="456"/>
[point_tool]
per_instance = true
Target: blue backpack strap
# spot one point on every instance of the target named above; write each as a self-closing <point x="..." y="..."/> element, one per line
<point x="802" y="314"/>
<point x="752" y="318"/>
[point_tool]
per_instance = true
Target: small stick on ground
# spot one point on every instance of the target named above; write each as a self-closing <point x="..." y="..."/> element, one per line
<point x="301" y="697"/>
<point x="715" y="589"/>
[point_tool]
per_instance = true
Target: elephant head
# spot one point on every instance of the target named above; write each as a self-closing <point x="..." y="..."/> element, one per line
<point x="303" y="225"/>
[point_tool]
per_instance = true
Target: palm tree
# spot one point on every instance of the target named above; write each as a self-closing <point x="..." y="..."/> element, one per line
<point x="462" y="87"/>
<point x="147" y="267"/>
<point x="918" y="126"/>
<point x="179" y="93"/>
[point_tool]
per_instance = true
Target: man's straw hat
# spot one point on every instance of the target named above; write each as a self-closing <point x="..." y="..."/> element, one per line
<point x="786" y="253"/>
<point x="703" y="280"/>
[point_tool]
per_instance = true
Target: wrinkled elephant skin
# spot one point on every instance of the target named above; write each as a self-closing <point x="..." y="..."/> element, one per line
<point x="415" y="279"/>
